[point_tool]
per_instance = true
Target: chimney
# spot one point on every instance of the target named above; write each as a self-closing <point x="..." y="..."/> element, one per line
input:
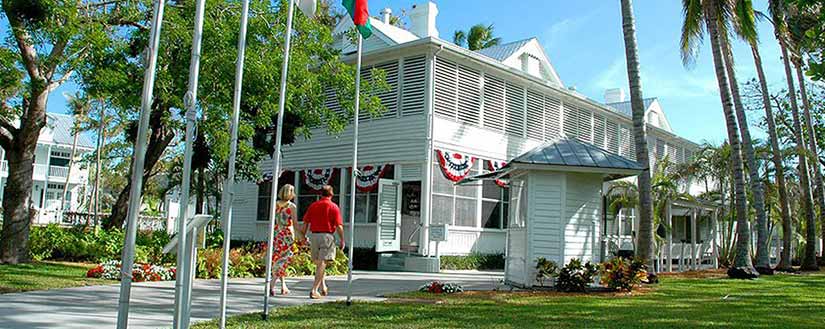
<point x="614" y="95"/>
<point x="422" y="20"/>
<point x="386" y="13"/>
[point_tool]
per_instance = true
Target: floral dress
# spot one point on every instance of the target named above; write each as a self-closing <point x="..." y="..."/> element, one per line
<point x="283" y="240"/>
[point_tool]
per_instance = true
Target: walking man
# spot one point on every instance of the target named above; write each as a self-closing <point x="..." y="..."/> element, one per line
<point x="323" y="219"/>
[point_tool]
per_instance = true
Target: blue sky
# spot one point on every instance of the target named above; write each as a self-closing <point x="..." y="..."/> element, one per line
<point x="584" y="42"/>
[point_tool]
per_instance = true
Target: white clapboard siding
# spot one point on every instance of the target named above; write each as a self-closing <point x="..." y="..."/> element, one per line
<point x="581" y="217"/>
<point x="401" y="139"/>
<point x="535" y="115"/>
<point x="244" y="210"/>
<point x="516" y="271"/>
<point x="446" y="87"/>
<point x="414" y="84"/>
<point x="469" y="95"/>
<point x="598" y="130"/>
<point x="612" y="131"/>
<point x="552" y="118"/>
<point x="514" y="114"/>
<point x="494" y="103"/>
<point x="478" y="141"/>
<point x="546" y="215"/>
<point x="467" y="241"/>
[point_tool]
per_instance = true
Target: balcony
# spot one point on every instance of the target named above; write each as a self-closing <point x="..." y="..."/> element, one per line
<point x="58" y="174"/>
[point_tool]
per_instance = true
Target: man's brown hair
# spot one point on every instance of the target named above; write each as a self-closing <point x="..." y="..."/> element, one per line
<point x="326" y="191"/>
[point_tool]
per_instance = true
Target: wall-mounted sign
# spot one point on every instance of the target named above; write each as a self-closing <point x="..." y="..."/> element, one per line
<point x="439" y="232"/>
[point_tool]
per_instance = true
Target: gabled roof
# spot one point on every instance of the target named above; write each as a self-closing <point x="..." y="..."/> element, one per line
<point x="62" y="126"/>
<point x="504" y="51"/>
<point x="388" y="33"/>
<point x="625" y="108"/>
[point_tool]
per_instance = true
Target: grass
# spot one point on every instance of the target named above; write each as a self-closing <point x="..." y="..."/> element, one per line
<point x="45" y="275"/>
<point x="780" y="301"/>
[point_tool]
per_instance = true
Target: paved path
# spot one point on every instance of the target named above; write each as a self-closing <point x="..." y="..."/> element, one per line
<point x="152" y="303"/>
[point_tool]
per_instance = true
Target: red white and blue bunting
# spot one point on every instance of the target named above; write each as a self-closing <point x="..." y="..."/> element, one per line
<point x="493" y="165"/>
<point x="454" y="165"/>
<point x="367" y="181"/>
<point x="267" y="176"/>
<point x="315" y="179"/>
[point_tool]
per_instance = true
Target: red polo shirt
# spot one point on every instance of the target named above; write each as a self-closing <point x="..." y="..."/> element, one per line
<point x="323" y="216"/>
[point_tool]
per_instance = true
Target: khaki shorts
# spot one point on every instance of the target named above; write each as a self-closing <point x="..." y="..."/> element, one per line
<point x="322" y="246"/>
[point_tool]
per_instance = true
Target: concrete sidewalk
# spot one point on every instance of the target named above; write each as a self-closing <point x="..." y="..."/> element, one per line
<point x="152" y="303"/>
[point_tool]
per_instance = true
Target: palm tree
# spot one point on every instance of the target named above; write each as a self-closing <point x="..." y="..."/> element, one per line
<point x="778" y="10"/>
<point x="479" y="36"/>
<point x="716" y="13"/>
<point x="645" y="243"/>
<point x="79" y="105"/>
<point x="745" y="27"/>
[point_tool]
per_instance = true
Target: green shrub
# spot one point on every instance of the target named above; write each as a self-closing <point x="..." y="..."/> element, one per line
<point x="623" y="274"/>
<point x="43" y="240"/>
<point x="546" y="269"/>
<point x="209" y="263"/>
<point x="575" y="276"/>
<point x="474" y="261"/>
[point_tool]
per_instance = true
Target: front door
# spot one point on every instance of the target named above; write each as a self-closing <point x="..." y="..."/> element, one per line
<point x="388" y="226"/>
<point x="410" y="216"/>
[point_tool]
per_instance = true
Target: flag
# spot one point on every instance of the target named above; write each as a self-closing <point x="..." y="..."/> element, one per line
<point x="307" y="7"/>
<point x="359" y="12"/>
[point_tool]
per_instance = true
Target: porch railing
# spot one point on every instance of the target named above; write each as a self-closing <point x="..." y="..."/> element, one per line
<point x="4" y="168"/>
<point x="145" y="223"/>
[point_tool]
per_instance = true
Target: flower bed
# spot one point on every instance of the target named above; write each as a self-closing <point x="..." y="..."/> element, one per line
<point x="110" y="270"/>
<point x="437" y="287"/>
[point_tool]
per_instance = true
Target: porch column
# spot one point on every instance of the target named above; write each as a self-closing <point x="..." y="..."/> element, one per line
<point x="426" y="181"/>
<point x="669" y="236"/>
<point x="693" y="219"/>
<point x="45" y="185"/>
<point x="715" y="230"/>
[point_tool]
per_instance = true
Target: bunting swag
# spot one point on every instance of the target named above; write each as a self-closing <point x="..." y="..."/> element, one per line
<point x="317" y="178"/>
<point x="267" y="177"/>
<point x="454" y="165"/>
<point x="368" y="180"/>
<point x="495" y="166"/>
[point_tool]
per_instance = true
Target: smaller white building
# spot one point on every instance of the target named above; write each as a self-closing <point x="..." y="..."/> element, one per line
<point x="556" y="204"/>
<point x="51" y="169"/>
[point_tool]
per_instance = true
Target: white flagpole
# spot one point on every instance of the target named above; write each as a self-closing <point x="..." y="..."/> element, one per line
<point x="128" y="256"/>
<point x="228" y="190"/>
<point x="276" y="158"/>
<point x="183" y="279"/>
<point x="354" y="169"/>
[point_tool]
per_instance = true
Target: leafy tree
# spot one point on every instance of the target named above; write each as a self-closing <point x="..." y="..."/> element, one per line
<point x="478" y="37"/>
<point x="315" y="65"/>
<point x="47" y="41"/>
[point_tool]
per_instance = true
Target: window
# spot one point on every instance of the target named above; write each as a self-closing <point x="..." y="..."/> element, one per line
<point x="59" y="162"/>
<point x="518" y="198"/>
<point x="366" y="203"/>
<point x="265" y="194"/>
<point x="454" y="205"/>
<point x="306" y="195"/>
<point x="494" y="202"/>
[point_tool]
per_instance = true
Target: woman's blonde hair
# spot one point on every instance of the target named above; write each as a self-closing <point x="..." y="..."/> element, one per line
<point x="286" y="194"/>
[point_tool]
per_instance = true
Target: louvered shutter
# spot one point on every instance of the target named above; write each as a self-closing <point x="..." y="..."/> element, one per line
<point x="571" y="121"/>
<point x="552" y="118"/>
<point x="412" y="92"/>
<point x="494" y="104"/>
<point x="535" y="115"/>
<point x="585" y="126"/>
<point x="598" y="131"/>
<point x="331" y="101"/>
<point x="514" y="115"/>
<point x="389" y="98"/>
<point x="446" y="88"/>
<point x="469" y="95"/>
<point x="612" y="129"/>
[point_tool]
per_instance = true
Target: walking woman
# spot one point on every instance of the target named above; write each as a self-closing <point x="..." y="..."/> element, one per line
<point x="284" y="237"/>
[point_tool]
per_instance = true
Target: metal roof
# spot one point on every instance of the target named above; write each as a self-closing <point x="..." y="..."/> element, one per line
<point x="625" y="108"/>
<point x="573" y="153"/>
<point x="62" y="126"/>
<point x="504" y="51"/>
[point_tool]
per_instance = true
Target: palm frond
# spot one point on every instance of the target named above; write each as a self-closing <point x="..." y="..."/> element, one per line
<point x="693" y="31"/>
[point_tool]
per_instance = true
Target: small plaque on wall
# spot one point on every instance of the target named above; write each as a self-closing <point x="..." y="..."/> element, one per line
<point x="439" y="232"/>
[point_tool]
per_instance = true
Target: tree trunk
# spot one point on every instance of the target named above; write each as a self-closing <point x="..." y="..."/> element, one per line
<point x="787" y="230"/>
<point x="806" y="211"/>
<point x="742" y="259"/>
<point x="101" y="141"/>
<point x="818" y="192"/>
<point x="159" y="139"/>
<point x="17" y="211"/>
<point x="644" y="248"/>
<point x="71" y="163"/>
<point x="201" y="191"/>
<point x="763" y="260"/>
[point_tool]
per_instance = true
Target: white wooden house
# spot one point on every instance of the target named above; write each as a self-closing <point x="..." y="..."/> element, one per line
<point x="51" y="169"/>
<point x="451" y="113"/>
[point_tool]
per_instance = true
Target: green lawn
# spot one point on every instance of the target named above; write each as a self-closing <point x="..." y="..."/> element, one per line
<point x="45" y="275"/>
<point x="781" y="301"/>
